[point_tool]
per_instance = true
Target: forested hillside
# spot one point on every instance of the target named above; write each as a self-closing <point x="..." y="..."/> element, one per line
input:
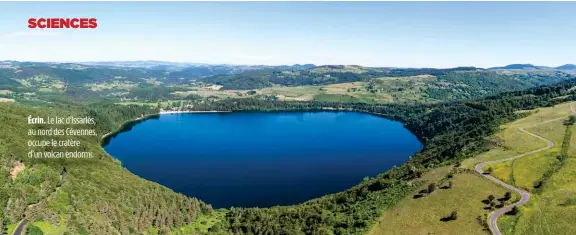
<point x="136" y="82"/>
<point x="450" y="132"/>
<point x="98" y="196"/>
<point x="85" y="195"/>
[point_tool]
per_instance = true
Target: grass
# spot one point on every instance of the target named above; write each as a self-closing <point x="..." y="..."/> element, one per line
<point x="493" y="154"/>
<point x="526" y="171"/>
<point x="422" y="215"/>
<point x="572" y="148"/>
<point x="112" y="85"/>
<point x="49" y="229"/>
<point x="548" y="213"/>
<point x="553" y="211"/>
<point x="513" y="140"/>
<point x="384" y="90"/>
<point x="406" y="89"/>
<point x="151" y="104"/>
<point x="6" y="100"/>
<point x="10" y="228"/>
<point x="335" y="98"/>
<point x="551" y="130"/>
<point x="151" y="231"/>
<point x="345" y="92"/>
<point x="202" y="224"/>
<point x="543" y="114"/>
<point x="292" y="93"/>
<point x="345" y="68"/>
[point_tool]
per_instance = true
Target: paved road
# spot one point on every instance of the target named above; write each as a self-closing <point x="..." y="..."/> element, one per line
<point x="20" y="228"/>
<point x="525" y="195"/>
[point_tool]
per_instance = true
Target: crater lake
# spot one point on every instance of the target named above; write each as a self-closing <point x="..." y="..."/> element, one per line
<point x="262" y="159"/>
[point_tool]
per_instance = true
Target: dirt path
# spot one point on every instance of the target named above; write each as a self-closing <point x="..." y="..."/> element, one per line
<point x="493" y="223"/>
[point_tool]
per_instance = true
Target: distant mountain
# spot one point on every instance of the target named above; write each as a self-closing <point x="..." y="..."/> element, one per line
<point x="520" y="66"/>
<point x="567" y="67"/>
<point x="149" y="64"/>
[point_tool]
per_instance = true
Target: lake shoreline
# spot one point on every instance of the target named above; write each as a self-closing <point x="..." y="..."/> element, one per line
<point x="106" y="137"/>
<point x="124" y="126"/>
<point x="273" y="146"/>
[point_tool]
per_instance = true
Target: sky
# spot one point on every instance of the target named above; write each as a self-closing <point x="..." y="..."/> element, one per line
<point x="391" y="34"/>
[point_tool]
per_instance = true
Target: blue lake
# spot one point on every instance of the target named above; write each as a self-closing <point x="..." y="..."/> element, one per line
<point x="262" y="159"/>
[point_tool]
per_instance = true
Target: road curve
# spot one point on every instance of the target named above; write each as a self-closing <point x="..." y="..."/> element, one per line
<point x="20" y="228"/>
<point x="525" y="195"/>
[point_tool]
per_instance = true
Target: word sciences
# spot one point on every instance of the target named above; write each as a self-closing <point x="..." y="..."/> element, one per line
<point x="59" y="23"/>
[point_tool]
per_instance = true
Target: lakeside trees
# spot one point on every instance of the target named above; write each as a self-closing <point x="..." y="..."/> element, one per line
<point x="130" y="205"/>
<point x="97" y="195"/>
<point x="450" y="132"/>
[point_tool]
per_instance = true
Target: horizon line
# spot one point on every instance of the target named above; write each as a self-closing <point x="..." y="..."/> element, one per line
<point x="271" y="65"/>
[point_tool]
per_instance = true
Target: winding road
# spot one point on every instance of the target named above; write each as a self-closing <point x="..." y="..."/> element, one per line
<point x="20" y="227"/>
<point x="493" y="223"/>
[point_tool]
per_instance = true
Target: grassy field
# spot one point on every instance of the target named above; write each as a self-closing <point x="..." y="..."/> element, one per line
<point x="43" y="82"/>
<point x="572" y="148"/>
<point x="341" y="92"/>
<point x="493" y="154"/>
<point x="49" y="229"/>
<point x="379" y="90"/>
<point x="151" y="104"/>
<point x="543" y="114"/>
<point x="6" y="100"/>
<point x="202" y="224"/>
<point x="422" y="215"/>
<point x="552" y="211"/>
<point x="510" y="142"/>
<point x="112" y="85"/>
<point x="526" y="171"/>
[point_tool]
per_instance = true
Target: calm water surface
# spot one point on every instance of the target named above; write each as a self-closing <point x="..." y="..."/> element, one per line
<point x="262" y="159"/>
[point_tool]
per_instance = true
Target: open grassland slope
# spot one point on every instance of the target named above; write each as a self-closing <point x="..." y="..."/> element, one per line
<point x="423" y="215"/>
<point x="551" y="207"/>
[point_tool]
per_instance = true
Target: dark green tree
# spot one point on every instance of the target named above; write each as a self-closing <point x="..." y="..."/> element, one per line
<point x="431" y="187"/>
<point x="507" y="196"/>
<point x="33" y="230"/>
<point x="454" y="215"/>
